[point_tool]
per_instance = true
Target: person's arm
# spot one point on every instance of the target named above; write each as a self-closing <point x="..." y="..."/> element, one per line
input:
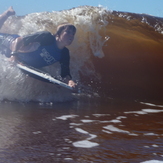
<point x="44" y="38"/>
<point x="4" y="16"/>
<point x="65" y="70"/>
<point x="65" y="62"/>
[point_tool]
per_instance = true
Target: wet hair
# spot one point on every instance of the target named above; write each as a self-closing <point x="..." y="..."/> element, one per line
<point x="63" y="27"/>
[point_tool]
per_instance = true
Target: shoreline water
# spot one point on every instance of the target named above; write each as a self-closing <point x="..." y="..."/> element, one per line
<point x="81" y="131"/>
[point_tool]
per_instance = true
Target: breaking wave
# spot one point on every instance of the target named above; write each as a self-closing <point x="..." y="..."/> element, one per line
<point x="116" y="54"/>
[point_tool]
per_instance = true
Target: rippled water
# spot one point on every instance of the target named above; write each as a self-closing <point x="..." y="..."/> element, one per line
<point x="83" y="131"/>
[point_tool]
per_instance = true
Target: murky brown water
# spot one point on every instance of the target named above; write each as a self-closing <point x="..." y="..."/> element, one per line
<point x="85" y="131"/>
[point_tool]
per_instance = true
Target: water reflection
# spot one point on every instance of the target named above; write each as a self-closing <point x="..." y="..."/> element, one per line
<point x="85" y="131"/>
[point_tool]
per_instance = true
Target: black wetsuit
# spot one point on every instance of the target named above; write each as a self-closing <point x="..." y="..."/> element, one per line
<point x="46" y="53"/>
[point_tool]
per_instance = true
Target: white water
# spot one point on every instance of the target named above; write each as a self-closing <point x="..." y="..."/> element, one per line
<point x="17" y="87"/>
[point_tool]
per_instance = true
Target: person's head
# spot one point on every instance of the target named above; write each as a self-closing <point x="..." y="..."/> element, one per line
<point x="64" y="27"/>
<point x="65" y="34"/>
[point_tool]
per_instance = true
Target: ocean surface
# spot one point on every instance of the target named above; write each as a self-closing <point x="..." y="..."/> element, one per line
<point x="117" y="61"/>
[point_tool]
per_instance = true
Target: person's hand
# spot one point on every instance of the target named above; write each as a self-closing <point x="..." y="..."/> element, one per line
<point x="72" y="84"/>
<point x="10" y="11"/>
<point x="12" y="59"/>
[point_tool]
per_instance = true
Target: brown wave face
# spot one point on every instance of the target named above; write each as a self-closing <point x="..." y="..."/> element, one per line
<point x="133" y="63"/>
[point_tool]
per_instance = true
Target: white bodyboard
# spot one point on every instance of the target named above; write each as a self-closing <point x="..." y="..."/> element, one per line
<point x="42" y="75"/>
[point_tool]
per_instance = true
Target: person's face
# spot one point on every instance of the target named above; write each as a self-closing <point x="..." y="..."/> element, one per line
<point x="67" y="36"/>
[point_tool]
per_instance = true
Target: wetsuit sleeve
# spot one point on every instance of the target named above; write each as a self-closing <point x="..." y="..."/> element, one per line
<point x="65" y="61"/>
<point x="44" y="38"/>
